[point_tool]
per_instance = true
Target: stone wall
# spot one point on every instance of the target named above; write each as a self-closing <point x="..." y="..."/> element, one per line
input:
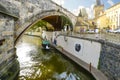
<point x="10" y="8"/>
<point x="110" y="60"/>
<point x="7" y="48"/>
<point x="6" y="33"/>
<point x="88" y="50"/>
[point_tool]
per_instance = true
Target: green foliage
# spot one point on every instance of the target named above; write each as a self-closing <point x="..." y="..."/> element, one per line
<point x="44" y="26"/>
<point x="65" y="21"/>
<point x="41" y="23"/>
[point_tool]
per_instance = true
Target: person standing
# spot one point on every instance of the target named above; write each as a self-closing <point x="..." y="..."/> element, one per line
<point x="55" y="42"/>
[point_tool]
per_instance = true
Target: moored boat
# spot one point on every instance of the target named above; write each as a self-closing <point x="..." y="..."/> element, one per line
<point x="45" y="44"/>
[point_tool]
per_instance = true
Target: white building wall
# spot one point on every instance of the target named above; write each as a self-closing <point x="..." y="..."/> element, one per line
<point x="90" y="50"/>
<point x="113" y="14"/>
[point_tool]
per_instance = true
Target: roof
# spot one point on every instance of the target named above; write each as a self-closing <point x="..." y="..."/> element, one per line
<point x="80" y="22"/>
<point x="114" y="5"/>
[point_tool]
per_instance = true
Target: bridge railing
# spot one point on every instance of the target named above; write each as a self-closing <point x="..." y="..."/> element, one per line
<point x="62" y="9"/>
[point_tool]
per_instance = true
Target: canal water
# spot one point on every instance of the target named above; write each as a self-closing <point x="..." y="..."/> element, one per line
<point x="39" y="64"/>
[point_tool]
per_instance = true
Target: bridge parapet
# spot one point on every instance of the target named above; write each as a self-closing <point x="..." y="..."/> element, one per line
<point x="31" y="8"/>
<point x="9" y="7"/>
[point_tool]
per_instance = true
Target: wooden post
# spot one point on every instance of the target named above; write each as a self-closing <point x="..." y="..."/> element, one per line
<point x="90" y="67"/>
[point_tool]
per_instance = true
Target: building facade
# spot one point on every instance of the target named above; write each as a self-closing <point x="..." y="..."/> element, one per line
<point x="102" y="21"/>
<point x="98" y="8"/>
<point x="113" y="14"/>
<point x="110" y="18"/>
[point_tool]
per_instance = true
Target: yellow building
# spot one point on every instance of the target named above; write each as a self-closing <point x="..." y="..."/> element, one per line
<point x="97" y="10"/>
<point x="113" y="13"/>
<point x="81" y="25"/>
<point x="99" y="14"/>
<point x="102" y="21"/>
<point x="110" y="18"/>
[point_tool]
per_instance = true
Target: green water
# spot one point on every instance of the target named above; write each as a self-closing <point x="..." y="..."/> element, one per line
<point x="38" y="64"/>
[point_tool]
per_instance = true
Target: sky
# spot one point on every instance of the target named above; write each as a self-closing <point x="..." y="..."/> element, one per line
<point x="75" y="5"/>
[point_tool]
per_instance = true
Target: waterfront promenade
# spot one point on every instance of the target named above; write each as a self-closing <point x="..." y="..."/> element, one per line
<point x="109" y="37"/>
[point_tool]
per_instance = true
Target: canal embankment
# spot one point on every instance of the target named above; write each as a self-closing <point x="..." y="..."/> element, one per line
<point x="37" y="63"/>
<point x="101" y="54"/>
<point x="86" y="54"/>
<point x="99" y="50"/>
<point x="98" y="75"/>
<point x="109" y="59"/>
<point x="88" y="51"/>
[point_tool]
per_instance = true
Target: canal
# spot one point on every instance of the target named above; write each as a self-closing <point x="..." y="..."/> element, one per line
<point x="39" y="64"/>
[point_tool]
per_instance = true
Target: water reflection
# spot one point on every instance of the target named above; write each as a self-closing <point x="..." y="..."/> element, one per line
<point x="38" y="64"/>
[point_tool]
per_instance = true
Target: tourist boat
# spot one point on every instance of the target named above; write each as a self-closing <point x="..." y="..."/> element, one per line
<point x="45" y="44"/>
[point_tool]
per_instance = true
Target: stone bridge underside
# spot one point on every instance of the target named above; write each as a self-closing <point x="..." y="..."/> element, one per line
<point x="29" y="12"/>
<point x="56" y="21"/>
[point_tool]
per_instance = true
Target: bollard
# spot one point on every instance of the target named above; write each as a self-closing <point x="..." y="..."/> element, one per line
<point x="90" y="67"/>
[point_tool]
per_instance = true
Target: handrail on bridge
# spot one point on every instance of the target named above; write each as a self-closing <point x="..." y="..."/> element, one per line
<point x="62" y="8"/>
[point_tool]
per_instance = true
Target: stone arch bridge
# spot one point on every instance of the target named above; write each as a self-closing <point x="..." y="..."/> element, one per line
<point x="17" y="15"/>
<point x="24" y="13"/>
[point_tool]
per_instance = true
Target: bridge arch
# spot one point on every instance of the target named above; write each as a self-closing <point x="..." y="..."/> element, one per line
<point x="16" y="16"/>
<point x="29" y="12"/>
<point x="41" y="16"/>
